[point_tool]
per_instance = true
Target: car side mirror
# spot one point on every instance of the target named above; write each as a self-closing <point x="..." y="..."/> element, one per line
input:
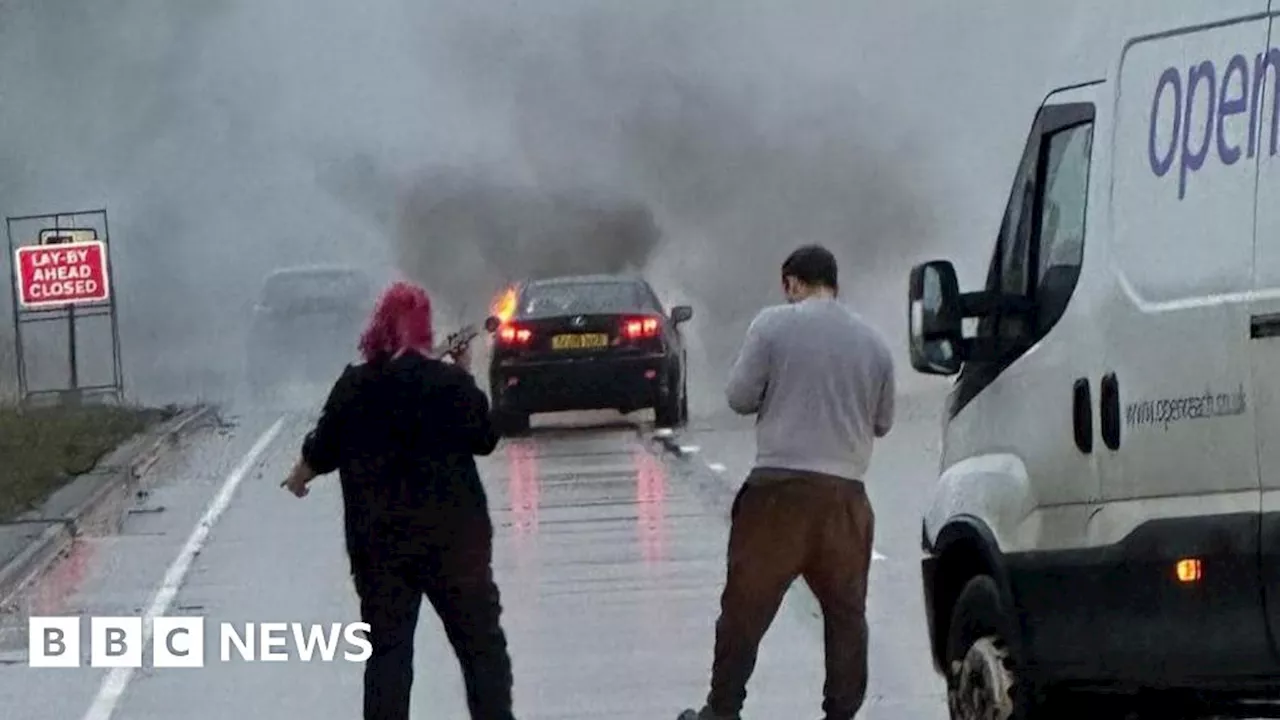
<point x="681" y="313"/>
<point x="491" y="323"/>
<point x="934" y="319"/>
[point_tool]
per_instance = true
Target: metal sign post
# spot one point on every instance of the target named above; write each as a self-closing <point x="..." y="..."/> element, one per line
<point x="65" y="273"/>
<point x="55" y="236"/>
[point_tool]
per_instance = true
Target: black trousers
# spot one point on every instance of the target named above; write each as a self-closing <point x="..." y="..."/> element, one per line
<point x="457" y="579"/>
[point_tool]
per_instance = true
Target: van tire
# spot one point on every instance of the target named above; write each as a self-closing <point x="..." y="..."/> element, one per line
<point x="982" y="683"/>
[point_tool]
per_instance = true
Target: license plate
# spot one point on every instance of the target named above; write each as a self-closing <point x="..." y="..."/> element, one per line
<point x="579" y="342"/>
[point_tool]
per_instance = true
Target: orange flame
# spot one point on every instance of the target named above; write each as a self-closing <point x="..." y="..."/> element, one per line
<point x="505" y="305"/>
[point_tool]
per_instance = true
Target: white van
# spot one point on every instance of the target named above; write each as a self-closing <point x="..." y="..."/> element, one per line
<point x="1105" y="530"/>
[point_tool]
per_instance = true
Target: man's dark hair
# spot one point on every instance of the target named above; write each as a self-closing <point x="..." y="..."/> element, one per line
<point x="812" y="265"/>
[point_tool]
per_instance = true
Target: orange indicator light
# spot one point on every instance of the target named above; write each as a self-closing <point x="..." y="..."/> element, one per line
<point x="1189" y="570"/>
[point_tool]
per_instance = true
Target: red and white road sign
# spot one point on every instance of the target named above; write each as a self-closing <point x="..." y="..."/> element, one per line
<point x="67" y="274"/>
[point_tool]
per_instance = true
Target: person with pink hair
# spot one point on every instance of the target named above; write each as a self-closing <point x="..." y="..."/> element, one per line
<point x="402" y="429"/>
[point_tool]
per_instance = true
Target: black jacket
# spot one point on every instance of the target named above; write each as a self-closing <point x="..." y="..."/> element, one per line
<point x="403" y="435"/>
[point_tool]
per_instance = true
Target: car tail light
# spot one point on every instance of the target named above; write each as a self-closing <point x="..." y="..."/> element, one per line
<point x="639" y="328"/>
<point x="514" y="335"/>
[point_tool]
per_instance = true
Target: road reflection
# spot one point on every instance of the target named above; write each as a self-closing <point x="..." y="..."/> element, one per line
<point x="522" y="487"/>
<point x="651" y="498"/>
<point x="51" y="594"/>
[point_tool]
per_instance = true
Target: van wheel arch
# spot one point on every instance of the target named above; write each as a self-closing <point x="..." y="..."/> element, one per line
<point x="965" y="549"/>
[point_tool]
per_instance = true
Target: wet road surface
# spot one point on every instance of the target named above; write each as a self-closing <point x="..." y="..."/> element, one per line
<point x="609" y="555"/>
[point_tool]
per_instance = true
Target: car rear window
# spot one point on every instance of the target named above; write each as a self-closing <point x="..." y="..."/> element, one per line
<point x="586" y="297"/>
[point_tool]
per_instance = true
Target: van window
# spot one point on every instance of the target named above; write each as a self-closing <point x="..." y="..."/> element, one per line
<point x="1040" y="247"/>
<point x="1061" y="236"/>
<point x="1013" y="264"/>
<point x="1015" y="268"/>
<point x="1010" y="264"/>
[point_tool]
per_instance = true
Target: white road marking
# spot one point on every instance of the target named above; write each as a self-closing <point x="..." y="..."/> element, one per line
<point x="688" y="449"/>
<point x="118" y="679"/>
<point x="875" y="555"/>
<point x="716" y="467"/>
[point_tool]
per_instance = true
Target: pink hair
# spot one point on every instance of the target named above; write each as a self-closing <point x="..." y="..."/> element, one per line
<point x="400" y="321"/>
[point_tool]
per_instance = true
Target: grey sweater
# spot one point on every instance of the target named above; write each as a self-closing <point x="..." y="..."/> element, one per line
<point x="820" y="380"/>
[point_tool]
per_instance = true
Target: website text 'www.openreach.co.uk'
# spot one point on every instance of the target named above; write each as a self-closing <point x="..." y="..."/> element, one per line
<point x="180" y="642"/>
<point x="1167" y="411"/>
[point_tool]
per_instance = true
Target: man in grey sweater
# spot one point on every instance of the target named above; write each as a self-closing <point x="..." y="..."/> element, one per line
<point x="820" y="381"/>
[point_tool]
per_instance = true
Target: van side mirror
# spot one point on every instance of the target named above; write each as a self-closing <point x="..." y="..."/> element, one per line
<point x="681" y="313"/>
<point x="934" y="319"/>
<point x="491" y="323"/>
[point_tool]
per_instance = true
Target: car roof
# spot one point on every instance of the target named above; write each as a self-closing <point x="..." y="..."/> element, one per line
<point x="290" y="284"/>
<point x="616" y="278"/>
<point x="317" y="269"/>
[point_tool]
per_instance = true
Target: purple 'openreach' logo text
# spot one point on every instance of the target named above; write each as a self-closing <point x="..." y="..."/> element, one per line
<point x="1219" y="95"/>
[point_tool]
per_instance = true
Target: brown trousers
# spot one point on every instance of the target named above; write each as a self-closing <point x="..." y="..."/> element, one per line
<point x="787" y="525"/>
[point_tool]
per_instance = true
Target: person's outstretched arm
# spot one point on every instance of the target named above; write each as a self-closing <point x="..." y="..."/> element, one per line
<point x="749" y="376"/>
<point x="322" y="447"/>
<point x="321" y="451"/>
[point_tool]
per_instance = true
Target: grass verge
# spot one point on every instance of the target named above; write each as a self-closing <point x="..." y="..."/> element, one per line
<point x="42" y="449"/>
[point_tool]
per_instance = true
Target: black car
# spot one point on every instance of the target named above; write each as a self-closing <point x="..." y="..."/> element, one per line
<point x="593" y="342"/>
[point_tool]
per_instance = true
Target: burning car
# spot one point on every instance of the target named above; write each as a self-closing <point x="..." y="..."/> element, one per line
<point x="587" y="342"/>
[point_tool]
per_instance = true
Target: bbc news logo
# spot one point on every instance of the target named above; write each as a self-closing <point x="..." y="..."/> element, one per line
<point x="179" y="642"/>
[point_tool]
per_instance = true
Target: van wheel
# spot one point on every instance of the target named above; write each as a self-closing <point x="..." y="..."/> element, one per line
<point x="981" y="679"/>
<point x="983" y="682"/>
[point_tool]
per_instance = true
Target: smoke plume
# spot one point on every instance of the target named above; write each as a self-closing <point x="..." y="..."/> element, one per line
<point x="466" y="144"/>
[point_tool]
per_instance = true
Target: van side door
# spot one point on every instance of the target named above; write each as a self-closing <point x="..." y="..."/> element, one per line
<point x="1262" y="143"/>
<point x="1176" y="538"/>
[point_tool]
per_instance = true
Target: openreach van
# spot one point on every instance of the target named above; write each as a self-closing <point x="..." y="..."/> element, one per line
<point x="1104" y="536"/>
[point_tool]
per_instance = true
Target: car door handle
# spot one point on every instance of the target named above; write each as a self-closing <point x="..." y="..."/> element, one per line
<point x="1110" y="400"/>
<point x="1082" y="415"/>
<point x="1264" y="326"/>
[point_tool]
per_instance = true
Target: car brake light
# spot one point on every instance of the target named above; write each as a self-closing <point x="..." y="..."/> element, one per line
<point x="512" y="334"/>
<point x="641" y="328"/>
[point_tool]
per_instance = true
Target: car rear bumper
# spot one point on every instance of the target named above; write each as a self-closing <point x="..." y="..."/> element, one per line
<point x="624" y="383"/>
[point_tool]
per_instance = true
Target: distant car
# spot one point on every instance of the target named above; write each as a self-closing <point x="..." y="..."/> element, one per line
<point x="590" y="342"/>
<point x="305" y="325"/>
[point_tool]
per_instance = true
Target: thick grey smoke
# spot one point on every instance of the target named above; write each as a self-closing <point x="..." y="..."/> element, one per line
<point x="732" y="157"/>
<point x="467" y="143"/>
<point x="468" y="236"/>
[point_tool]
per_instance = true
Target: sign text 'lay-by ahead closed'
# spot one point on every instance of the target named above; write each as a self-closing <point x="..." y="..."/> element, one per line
<point x="69" y="273"/>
